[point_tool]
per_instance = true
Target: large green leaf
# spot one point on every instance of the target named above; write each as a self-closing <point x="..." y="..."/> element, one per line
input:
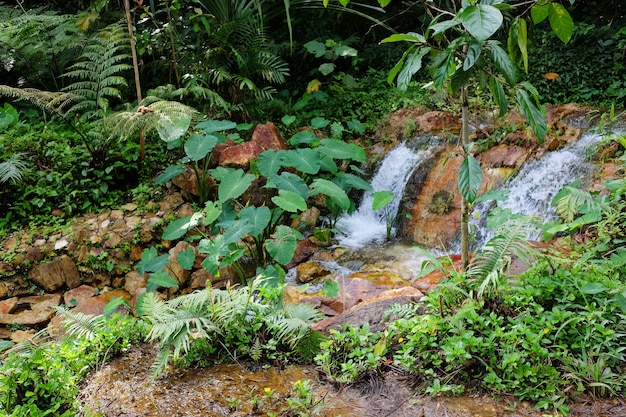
<point x="237" y="230"/>
<point x="186" y="259"/>
<point x="381" y="199"/>
<point x="304" y="160"/>
<point x="409" y="37"/>
<point x="305" y="137"/>
<point x="270" y="162"/>
<point x="328" y="164"/>
<point x="172" y="127"/>
<point x="210" y="126"/>
<point x="257" y="217"/>
<point x="503" y="63"/>
<point x="289" y="182"/>
<point x="178" y="228"/>
<point x="338" y="149"/>
<point x="212" y="211"/>
<point x="349" y="182"/>
<point x="170" y="172"/>
<point x="150" y="262"/>
<point x="561" y="22"/>
<point x="289" y="201"/>
<point x="412" y="64"/>
<point x="160" y="279"/>
<point x="198" y="146"/>
<point x="497" y="91"/>
<point x="539" y="12"/>
<point x="472" y="55"/>
<point x="481" y="20"/>
<point x="442" y="67"/>
<point x="282" y="245"/>
<point x="332" y="191"/>
<point x="470" y="178"/>
<point x="535" y="116"/>
<point x="234" y="185"/>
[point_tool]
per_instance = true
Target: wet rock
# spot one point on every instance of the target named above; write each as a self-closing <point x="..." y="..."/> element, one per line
<point x="434" y="121"/>
<point x="266" y="136"/>
<point x="304" y="250"/>
<point x="56" y="273"/>
<point x="311" y="271"/>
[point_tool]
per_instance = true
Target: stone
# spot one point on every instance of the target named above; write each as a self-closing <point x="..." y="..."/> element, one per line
<point x="22" y="335"/>
<point x="34" y="254"/>
<point x="268" y="136"/>
<point x="188" y="182"/>
<point x="7" y="306"/>
<point x="434" y="121"/>
<point x="56" y="273"/>
<point x="311" y="271"/>
<point x="77" y="295"/>
<point x="129" y="207"/>
<point x="133" y="281"/>
<point x="304" y="250"/>
<point x="239" y="156"/>
<point x="113" y="240"/>
<point x="40" y="311"/>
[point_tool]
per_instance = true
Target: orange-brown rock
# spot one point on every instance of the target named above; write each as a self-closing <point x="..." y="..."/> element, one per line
<point x="436" y="121"/>
<point x="311" y="271"/>
<point x="56" y="273"/>
<point x="305" y="248"/>
<point x="266" y="136"/>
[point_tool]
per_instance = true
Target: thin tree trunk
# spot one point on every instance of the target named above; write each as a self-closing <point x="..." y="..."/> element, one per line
<point x="133" y="50"/>
<point x="464" y="203"/>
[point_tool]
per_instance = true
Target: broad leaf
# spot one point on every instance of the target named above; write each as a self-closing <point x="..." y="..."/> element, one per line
<point x="326" y="68"/>
<point x="257" y="217"/>
<point x="473" y="53"/>
<point x="212" y="211"/>
<point x="199" y="146"/>
<point x="503" y="63"/>
<point x="150" y="262"/>
<point x="304" y="160"/>
<point x="305" y="137"/>
<point x="535" y="116"/>
<point x="410" y="37"/>
<point x="178" y="228"/>
<point x="593" y="288"/>
<point x="349" y="182"/>
<point x="441" y="27"/>
<point x="237" y="230"/>
<point x="270" y="162"/>
<point x="481" y="20"/>
<point x="330" y="288"/>
<point x="172" y="128"/>
<point x="356" y="126"/>
<point x="160" y="279"/>
<point x="234" y="185"/>
<point x="561" y="22"/>
<point x="289" y="201"/>
<point x="210" y="126"/>
<point x="186" y="259"/>
<point x="282" y="245"/>
<point x="442" y="67"/>
<point x="497" y="91"/>
<point x="459" y="79"/>
<point x="288" y="119"/>
<point x="539" y="12"/>
<point x="317" y="48"/>
<point x="170" y="172"/>
<point x="328" y="164"/>
<point x="332" y="191"/>
<point x="470" y="178"/>
<point x="289" y="182"/>
<point x="381" y="199"/>
<point x="338" y="149"/>
<point x="412" y="65"/>
<point x="319" y="122"/>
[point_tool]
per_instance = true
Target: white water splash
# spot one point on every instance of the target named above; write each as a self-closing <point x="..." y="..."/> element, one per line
<point x="366" y="226"/>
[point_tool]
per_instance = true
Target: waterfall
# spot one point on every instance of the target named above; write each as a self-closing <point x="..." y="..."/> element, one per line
<point x="367" y="226"/>
<point x="531" y="191"/>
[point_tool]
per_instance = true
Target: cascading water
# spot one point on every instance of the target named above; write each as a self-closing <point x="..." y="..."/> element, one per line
<point x="531" y="191"/>
<point x="366" y="225"/>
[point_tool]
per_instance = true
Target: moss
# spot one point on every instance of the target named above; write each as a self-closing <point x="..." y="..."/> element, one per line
<point x="441" y="203"/>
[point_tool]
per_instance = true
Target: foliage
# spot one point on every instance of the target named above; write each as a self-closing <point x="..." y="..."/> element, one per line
<point x="41" y="377"/>
<point x="214" y="325"/>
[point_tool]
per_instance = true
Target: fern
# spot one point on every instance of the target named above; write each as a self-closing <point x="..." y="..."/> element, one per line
<point x="402" y="311"/>
<point x="99" y="71"/>
<point x="80" y="324"/>
<point x="572" y="200"/>
<point x="497" y="253"/>
<point x="12" y="168"/>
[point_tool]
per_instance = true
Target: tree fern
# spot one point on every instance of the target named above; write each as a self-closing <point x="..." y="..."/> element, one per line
<point x="98" y="71"/>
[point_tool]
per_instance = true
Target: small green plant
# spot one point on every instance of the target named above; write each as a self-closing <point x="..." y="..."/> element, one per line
<point x="302" y="403"/>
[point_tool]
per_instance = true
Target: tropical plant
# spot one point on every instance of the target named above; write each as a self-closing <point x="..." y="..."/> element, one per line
<point x="236" y="323"/>
<point x="12" y="168"/>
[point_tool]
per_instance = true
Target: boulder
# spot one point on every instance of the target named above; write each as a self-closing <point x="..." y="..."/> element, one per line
<point x="311" y="271"/>
<point x="266" y="136"/>
<point x="56" y="273"/>
<point x="35" y="310"/>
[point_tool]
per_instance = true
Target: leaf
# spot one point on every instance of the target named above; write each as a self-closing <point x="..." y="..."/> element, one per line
<point x="305" y="137"/>
<point x="288" y="119"/>
<point x="282" y="244"/>
<point x="270" y="162"/>
<point x="442" y="67"/>
<point x="349" y="182"/>
<point x="522" y="41"/>
<point x="332" y="191"/>
<point x="535" y="116"/>
<point x="319" y="122"/>
<point x="497" y="91"/>
<point x="503" y="63"/>
<point x="470" y="178"/>
<point x="211" y="212"/>
<point x="381" y="199"/>
<point x="481" y="20"/>
<point x="539" y="12"/>
<point x="186" y="259"/>
<point x="234" y="185"/>
<point x="160" y="279"/>
<point x="172" y="127"/>
<point x="330" y="288"/>
<point x="410" y="37"/>
<point x="290" y="182"/>
<point x="237" y="230"/>
<point x="178" y="228"/>
<point x="304" y="160"/>
<point x="459" y="79"/>
<point x="326" y="68"/>
<point x="561" y="22"/>
<point x="473" y="53"/>
<point x="289" y="201"/>
<point x="356" y="126"/>
<point x="170" y="172"/>
<point x="593" y="288"/>
<point x="338" y="149"/>
<point x="317" y="48"/>
<point x="412" y="65"/>
<point x="112" y="305"/>
<point x="150" y="262"/>
<point x="210" y="126"/>
<point x="257" y="217"/>
<point x="198" y="146"/>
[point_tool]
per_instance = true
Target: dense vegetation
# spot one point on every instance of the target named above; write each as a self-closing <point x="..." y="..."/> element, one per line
<point x="74" y="127"/>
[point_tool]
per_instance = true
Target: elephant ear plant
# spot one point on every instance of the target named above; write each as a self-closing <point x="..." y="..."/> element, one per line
<point x="229" y="227"/>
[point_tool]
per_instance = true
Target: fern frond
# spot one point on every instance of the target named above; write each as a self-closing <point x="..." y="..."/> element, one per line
<point x="55" y="102"/>
<point x="406" y="311"/>
<point x="80" y="324"/>
<point x="293" y="324"/>
<point x="497" y="253"/>
<point x="12" y="168"/>
<point x="569" y="205"/>
<point x="256" y="350"/>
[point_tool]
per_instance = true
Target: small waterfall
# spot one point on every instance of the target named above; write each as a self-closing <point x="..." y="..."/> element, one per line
<point x="531" y="191"/>
<point x="367" y="226"/>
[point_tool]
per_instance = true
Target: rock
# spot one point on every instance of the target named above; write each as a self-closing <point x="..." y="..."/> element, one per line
<point x="54" y="274"/>
<point x="371" y="311"/>
<point x="40" y="311"/>
<point x="22" y="335"/>
<point x="239" y="156"/>
<point x="7" y="306"/>
<point x="311" y="271"/>
<point x="304" y="250"/>
<point x="188" y="182"/>
<point x="434" y="121"/>
<point x="173" y="268"/>
<point x="268" y="137"/>
<point x="133" y="281"/>
<point x="510" y="156"/>
<point x="34" y="254"/>
<point x="77" y="295"/>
